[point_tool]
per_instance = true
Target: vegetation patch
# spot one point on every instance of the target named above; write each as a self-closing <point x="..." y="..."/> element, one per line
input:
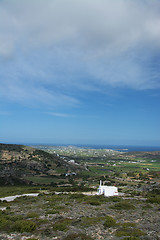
<point x="15" y="223"/>
<point x="62" y="225"/>
<point x="123" y="205"/>
<point x="95" y="200"/>
<point x="53" y="209"/>
<point x="5" y="224"/>
<point x="78" y="196"/>
<point x="23" y="226"/>
<point x="114" y="199"/>
<point x="154" y="199"/>
<point x="147" y="206"/>
<point x="109" y="222"/>
<point x="128" y="224"/>
<point x="32" y="215"/>
<point x="88" y="221"/>
<point x="129" y="231"/>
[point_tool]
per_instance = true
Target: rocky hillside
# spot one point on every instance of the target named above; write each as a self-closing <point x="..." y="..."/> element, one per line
<point x="21" y="161"/>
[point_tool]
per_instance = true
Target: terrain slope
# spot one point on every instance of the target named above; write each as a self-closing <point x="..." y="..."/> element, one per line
<point x="18" y="161"/>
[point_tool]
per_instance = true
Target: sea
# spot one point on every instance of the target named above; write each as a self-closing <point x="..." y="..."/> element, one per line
<point x="123" y="148"/>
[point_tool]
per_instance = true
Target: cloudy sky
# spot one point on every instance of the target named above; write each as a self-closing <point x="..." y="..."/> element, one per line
<point x="80" y="71"/>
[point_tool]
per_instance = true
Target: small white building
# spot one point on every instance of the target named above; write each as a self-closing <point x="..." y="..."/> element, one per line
<point x="71" y="161"/>
<point x="107" y="191"/>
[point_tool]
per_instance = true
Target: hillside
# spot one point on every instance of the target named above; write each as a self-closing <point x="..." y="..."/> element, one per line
<point x="18" y="161"/>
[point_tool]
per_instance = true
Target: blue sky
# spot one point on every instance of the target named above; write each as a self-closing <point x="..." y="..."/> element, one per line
<point x="80" y="72"/>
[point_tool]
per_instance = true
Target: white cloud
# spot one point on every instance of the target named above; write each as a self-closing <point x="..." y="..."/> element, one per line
<point x="63" y="115"/>
<point x="35" y="96"/>
<point x="61" y="46"/>
<point x="93" y="25"/>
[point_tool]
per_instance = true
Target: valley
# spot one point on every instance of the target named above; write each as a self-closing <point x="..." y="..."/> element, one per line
<point x="66" y="206"/>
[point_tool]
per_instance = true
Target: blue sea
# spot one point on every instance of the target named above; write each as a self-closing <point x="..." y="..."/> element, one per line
<point x="124" y="148"/>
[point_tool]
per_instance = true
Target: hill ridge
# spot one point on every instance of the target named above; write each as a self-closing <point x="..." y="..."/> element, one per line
<point x="21" y="161"/>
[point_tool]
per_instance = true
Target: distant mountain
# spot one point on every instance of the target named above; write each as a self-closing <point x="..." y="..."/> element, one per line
<point x="18" y="161"/>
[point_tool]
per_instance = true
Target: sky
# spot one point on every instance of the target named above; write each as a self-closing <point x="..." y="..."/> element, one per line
<point x="80" y="72"/>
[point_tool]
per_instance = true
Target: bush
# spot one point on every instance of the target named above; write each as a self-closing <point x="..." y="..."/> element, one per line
<point x="5" y="224"/>
<point x="32" y="215"/>
<point x="23" y="226"/>
<point x="14" y="218"/>
<point x="109" y="222"/>
<point x="62" y="225"/>
<point x="129" y="224"/>
<point x="77" y="196"/>
<point x="154" y="199"/>
<point x="124" y="205"/>
<point x="114" y="199"/>
<point x="52" y="211"/>
<point x="32" y="238"/>
<point x="130" y="232"/>
<point x="88" y="221"/>
<point x="55" y="209"/>
<point x="93" y="202"/>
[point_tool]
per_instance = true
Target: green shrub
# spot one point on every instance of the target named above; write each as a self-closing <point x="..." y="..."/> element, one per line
<point x="52" y="211"/>
<point x="114" y="199"/>
<point x="129" y="224"/>
<point x="2" y="212"/>
<point x="41" y="221"/>
<point x="109" y="222"/>
<point x="154" y="199"/>
<point x="15" y="218"/>
<point x="88" y="221"/>
<point x="62" y="225"/>
<point x="5" y="224"/>
<point x="10" y="223"/>
<point x="124" y="205"/>
<point x="23" y="226"/>
<point x="77" y="196"/>
<point x="32" y="215"/>
<point x="130" y="232"/>
<point x="55" y="209"/>
<point x="93" y="202"/>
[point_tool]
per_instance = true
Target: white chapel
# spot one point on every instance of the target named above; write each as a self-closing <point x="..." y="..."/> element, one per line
<point x="107" y="191"/>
